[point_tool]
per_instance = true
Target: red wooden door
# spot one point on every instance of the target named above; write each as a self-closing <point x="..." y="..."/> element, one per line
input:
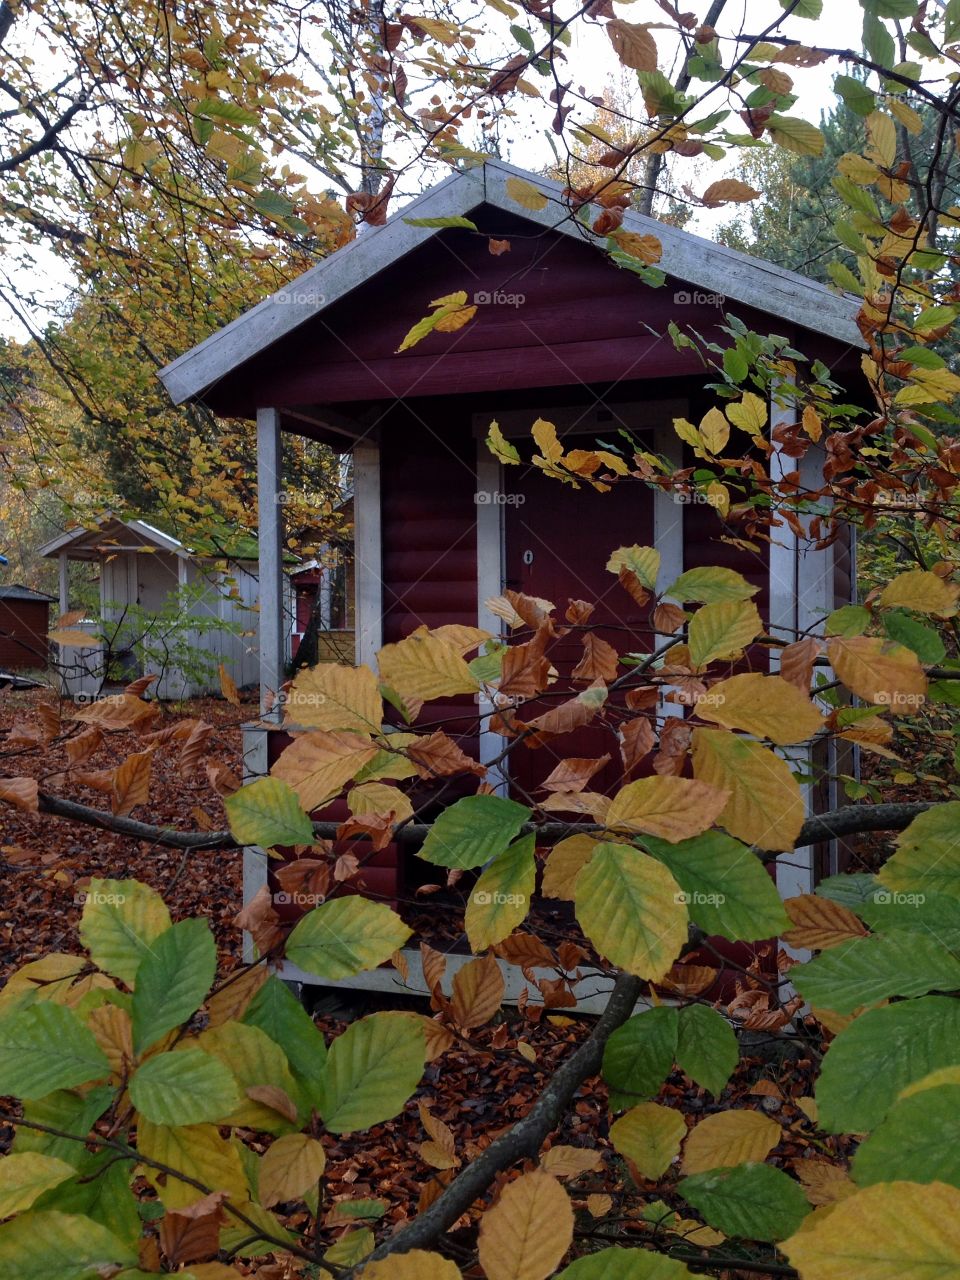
<point x="557" y="543"/>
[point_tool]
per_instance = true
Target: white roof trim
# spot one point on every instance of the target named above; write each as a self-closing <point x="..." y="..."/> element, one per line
<point x="711" y="267"/>
<point x="165" y="541"/>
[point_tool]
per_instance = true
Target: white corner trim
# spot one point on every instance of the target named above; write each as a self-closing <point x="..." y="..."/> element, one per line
<point x="490" y="572"/>
<point x="368" y="552"/>
<point x="271" y="619"/>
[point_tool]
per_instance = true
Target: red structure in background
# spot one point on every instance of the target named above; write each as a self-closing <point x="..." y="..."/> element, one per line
<point x="24" y="623"/>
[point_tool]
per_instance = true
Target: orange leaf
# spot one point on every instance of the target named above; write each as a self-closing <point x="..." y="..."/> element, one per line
<point x="477" y="992"/>
<point x="131" y="782"/>
<point x="22" y="793"/>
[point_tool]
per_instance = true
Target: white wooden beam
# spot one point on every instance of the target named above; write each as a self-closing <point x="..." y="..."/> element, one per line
<point x="490" y="575"/>
<point x="368" y="552"/>
<point x="63" y="566"/>
<point x="272" y="640"/>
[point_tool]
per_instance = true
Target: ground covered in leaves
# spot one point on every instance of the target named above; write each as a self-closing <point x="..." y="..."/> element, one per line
<point x="470" y="1094"/>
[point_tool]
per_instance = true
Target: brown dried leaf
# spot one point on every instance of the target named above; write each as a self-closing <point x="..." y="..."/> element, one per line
<point x="131" y="782"/>
<point x="477" y="991"/>
<point x="819" y="923"/>
<point x="573" y="774"/>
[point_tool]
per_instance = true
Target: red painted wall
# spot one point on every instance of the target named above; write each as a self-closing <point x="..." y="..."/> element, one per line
<point x="23" y="634"/>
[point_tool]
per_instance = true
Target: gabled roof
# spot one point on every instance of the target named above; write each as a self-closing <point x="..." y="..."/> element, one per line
<point x="712" y="267"/>
<point x="83" y="543"/>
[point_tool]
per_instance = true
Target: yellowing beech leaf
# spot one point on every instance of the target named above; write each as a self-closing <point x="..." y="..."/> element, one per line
<point x="730" y="1138"/>
<point x="714" y="431"/>
<point x="477" y="991"/>
<point x="379" y="797"/>
<point x="131" y="782"/>
<point x="501" y="898"/>
<point x="570" y="1162"/>
<point x="819" y="923"/>
<point x="766" y="706"/>
<point x="290" y="1168"/>
<point x="331" y="696"/>
<point x="417" y="1264"/>
<point x="891" y="1231"/>
<point x="319" y="765"/>
<point x="765" y="807"/>
<point x="633" y="44"/>
<point x="750" y="414"/>
<point x="880" y="672"/>
<point x="922" y="591"/>
<point x="196" y="1150"/>
<point x="564" y="863"/>
<point x="632" y="910"/>
<point x="642" y="561"/>
<point x="650" y="1136"/>
<point x="672" y="808"/>
<point x="24" y="1177"/>
<point x="422" y="667"/>
<point x="722" y="630"/>
<point x="647" y="248"/>
<point x="728" y="191"/>
<point x="528" y="1230"/>
<point x="525" y="194"/>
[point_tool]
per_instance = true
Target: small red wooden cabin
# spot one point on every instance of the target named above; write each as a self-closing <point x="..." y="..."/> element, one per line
<point x="560" y="332"/>
<point x="24" y="623"/>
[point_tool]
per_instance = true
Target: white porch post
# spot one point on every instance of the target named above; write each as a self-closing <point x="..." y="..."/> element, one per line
<point x="368" y="552"/>
<point x="490" y="562"/>
<point x="668" y="522"/>
<point x="63" y="565"/>
<point x="271" y="560"/>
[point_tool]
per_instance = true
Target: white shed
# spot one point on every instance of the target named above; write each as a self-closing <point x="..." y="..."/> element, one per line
<point x="165" y="608"/>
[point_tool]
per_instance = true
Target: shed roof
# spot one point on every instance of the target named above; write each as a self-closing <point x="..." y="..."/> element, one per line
<point x="17" y="591"/>
<point x="763" y="286"/>
<point x="111" y="532"/>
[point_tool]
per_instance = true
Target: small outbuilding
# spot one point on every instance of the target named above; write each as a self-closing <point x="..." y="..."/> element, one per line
<point x="560" y="332"/>
<point x="164" y="608"/>
<point x="24" y="623"/>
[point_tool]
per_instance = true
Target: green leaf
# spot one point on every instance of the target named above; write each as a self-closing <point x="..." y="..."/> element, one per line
<point x="472" y="831"/>
<point x="727" y="890"/>
<point x="25" y="1176"/>
<point x="632" y="910"/>
<point x="47" y="1047"/>
<point x="643" y="561"/>
<point x="272" y="204"/>
<point x="735" y="364"/>
<point x="850" y="890"/>
<point x="722" y="630"/>
<point x="872" y="1060"/>
<point x="951" y="22"/>
<point x="501" y="898"/>
<point x="372" y="1070"/>
<point x="710" y="586"/>
<point x="918" y="1141"/>
<point x="184" y="1087"/>
<point x="923" y="640"/>
<point x="70" y="1113"/>
<point x="868" y="970"/>
<point x="796" y="135"/>
<point x="276" y="1012"/>
<point x="253" y="1059"/>
<point x="267" y="812"/>
<point x="849" y="620"/>
<point x="172" y="981"/>
<point x="351" y="1248"/>
<point x="855" y="94"/>
<point x="345" y="936"/>
<point x="231" y="112"/>
<point x="121" y="918"/>
<point x="625" y="1264"/>
<point x="707" y="1047"/>
<point x="805" y="9"/>
<point x="60" y="1246"/>
<point x="454" y="221"/>
<point x="639" y="1056"/>
<point x="878" y="41"/>
<point x="927" y="859"/>
<point x="100" y="1189"/>
<point x="753" y="1201"/>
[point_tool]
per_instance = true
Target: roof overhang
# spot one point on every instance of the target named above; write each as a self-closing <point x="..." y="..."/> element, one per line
<point x="87" y="544"/>
<point x="708" y="266"/>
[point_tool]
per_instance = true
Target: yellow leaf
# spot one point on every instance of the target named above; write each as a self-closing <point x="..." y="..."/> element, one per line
<point x="633" y="44"/>
<point x="642" y="561"/>
<point x="290" y="1168"/>
<point x="545" y="436"/>
<point x="823" y="1182"/>
<point x="796" y="135"/>
<point x="632" y="910"/>
<point x="565" y="862"/>
<point x="69" y="637"/>
<point x="750" y="414"/>
<point x="228" y="686"/>
<point x="570" y="1162"/>
<point x="196" y="1150"/>
<point x="922" y="591"/>
<point x="379" y="798"/>
<point x="319" y="765"/>
<point x="722" y="630"/>
<point x="730" y="1138"/>
<point x="766" y="806"/>
<point x="25" y="1176"/>
<point x="647" y="249"/>
<point x="423" y="667"/>
<point x="714" y="431"/>
<point x="891" y="1231"/>
<point x="331" y="696"/>
<point x="650" y="1136"/>
<point x="131" y="782"/>
<point x="525" y="194"/>
<point x="883" y="138"/>
<point x="728" y="191"/>
<point x="880" y="672"/>
<point x="766" y="706"/>
<point x="687" y="432"/>
<point x="672" y="808"/>
<point x="500" y="446"/>
<point x="812" y="423"/>
<point x="416" y="1264"/>
<point x="528" y="1230"/>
